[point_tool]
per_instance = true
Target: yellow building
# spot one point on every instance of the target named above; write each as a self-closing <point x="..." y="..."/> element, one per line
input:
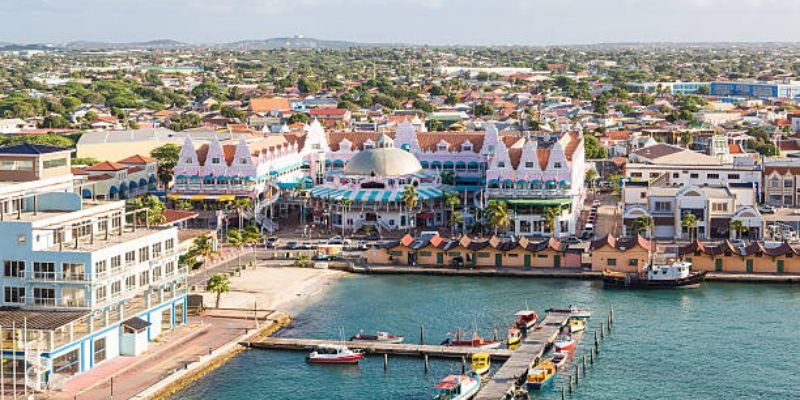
<point x="621" y="255"/>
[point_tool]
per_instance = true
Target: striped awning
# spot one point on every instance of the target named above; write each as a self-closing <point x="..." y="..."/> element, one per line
<point x="367" y="195"/>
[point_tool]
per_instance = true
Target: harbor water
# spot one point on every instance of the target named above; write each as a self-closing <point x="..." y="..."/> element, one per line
<point x="722" y="341"/>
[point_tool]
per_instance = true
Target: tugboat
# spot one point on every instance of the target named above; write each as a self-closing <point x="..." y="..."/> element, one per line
<point x="382" y="337"/>
<point x="677" y="274"/>
<point x="334" y="354"/>
<point x="457" y="387"/>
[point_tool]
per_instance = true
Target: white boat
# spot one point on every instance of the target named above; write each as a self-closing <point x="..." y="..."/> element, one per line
<point x="559" y="358"/>
<point x="457" y="387"/>
<point x="334" y="354"/>
<point x="382" y="337"/>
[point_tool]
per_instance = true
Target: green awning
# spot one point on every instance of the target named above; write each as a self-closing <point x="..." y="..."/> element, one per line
<point x="538" y="202"/>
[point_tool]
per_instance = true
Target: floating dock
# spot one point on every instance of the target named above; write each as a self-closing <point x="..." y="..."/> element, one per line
<point x="399" y="349"/>
<point x="530" y="351"/>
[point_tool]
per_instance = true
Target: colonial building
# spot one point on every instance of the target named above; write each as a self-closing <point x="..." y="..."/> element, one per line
<point x="83" y="282"/>
<point x="782" y="182"/>
<point x="126" y="178"/>
<point x="714" y="208"/>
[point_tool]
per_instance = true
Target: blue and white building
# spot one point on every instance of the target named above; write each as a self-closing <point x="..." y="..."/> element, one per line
<point x="761" y="90"/>
<point x="82" y="282"/>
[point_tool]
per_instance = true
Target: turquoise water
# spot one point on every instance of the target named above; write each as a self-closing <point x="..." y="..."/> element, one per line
<point x="722" y="341"/>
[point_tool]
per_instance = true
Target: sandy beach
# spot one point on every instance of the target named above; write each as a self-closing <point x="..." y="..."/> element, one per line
<point x="287" y="289"/>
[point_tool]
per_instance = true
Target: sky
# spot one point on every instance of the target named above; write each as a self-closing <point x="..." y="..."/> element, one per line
<point x="432" y="22"/>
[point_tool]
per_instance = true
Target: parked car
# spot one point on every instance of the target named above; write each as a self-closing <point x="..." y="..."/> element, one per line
<point x="271" y="242"/>
<point x="457" y="262"/>
<point x="292" y="245"/>
<point x="586" y="235"/>
<point x="571" y="240"/>
<point x="767" y="209"/>
<point x="338" y="239"/>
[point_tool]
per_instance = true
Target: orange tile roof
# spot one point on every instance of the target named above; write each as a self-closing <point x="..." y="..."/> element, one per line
<point x="106" y="166"/>
<point x="137" y="159"/>
<point x="267" y="104"/>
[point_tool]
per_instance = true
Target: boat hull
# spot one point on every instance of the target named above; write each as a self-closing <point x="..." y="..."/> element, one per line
<point x="540" y="385"/>
<point x="631" y="281"/>
<point x="392" y="340"/>
<point x="349" y="359"/>
<point x="564" y="346"/>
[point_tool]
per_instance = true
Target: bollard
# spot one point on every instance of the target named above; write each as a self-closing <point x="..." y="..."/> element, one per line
<point x="609" y="323"/>
<point x="584" y="364"/>
<point x="463" y="366"/>
<point x="385" y="362"/>
<point x="426" y="363"/>
<point x="611" y="315"/>
<point x="602" y="331"/>
<point x="563" y="393"/>
<point x="209" y="350"/>
<point x="591" y="357"/>
<point x="577" y="376"/>
<point x="570" y="384"/>
<point x="422" y="334"/>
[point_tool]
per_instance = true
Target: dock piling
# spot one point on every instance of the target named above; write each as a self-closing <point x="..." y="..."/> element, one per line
<point x="611" y="315"/>
<point x="563" y="392"/>
<point x="602" y="331"/>
<point x="463" y="366"/>
<point x="426" y="364"/>
<point x="596" y="344"/>
<point x="570" y="384"/>
<point x="609" y="323"/>
<point x="421" y="334"/>
<point x="591" y="357"/>
<point x="385" y="362"/>
<point x="584" y="364"/>
<point x="577" y="375"/>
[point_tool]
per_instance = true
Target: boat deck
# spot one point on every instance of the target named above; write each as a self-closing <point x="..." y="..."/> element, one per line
<point x="530" y="351"/>
<point x="400" y="349"/>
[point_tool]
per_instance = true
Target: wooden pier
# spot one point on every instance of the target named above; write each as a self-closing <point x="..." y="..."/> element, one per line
<point x="399" y="349"/>
<point x="530" y="351"/>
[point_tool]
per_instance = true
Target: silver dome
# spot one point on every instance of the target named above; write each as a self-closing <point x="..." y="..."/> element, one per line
<point x="383" y="162"/>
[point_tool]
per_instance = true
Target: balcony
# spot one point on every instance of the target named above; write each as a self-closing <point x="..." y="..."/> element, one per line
<point x="54" y="303"/>
<point x="59" y="277"/>
<point x="529" y="193"/>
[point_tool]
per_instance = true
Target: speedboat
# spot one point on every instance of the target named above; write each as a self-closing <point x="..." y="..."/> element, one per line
<point x="382" y="337"/>
<point x="577" y="325"/>
<point x="457" y="387"/>
<point x="565" y="341"/>
<point x="334" y="354"/>
<point x="541" y="375"/>
<point x="481" y="363"/>
<point x="526" y="319"/>
<point x="514" y="336"/>
<point x="559" y="358"/>
<point x="574" y="312"/>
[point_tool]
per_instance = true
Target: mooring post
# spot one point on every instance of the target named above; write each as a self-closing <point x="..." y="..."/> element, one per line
<point x="611" y="315"/>
<point x="602" y="331"/>
<point x="563" y="393"/>
<point x="591" y="357"/>
<point x="584" y="364"/>
<point x="570" y="384"/>
<point x="426" y="363"/>
<point x="596" y="344"/>
<point x="463" y="366"/>
<point x="385" y="361"/>
<point x="421" y="334"/>
<point x="577" y="375"/>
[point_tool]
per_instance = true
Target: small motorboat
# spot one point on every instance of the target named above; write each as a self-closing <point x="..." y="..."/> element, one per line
<point x="574" y="312"/>
<point x="457" y="387"/>
<point x="380" y="336"/>
<point x="577" y="325"/>
<point x="334" y="354"/>
<point x="559" y="358"/>
<point x="526" y="319"/>
<point x="565" y="341"/>
<point x="541" y="375"/>
<point x="514" y="336"/>
<point x="481" y="363"/>
<point x="476" y="341"/>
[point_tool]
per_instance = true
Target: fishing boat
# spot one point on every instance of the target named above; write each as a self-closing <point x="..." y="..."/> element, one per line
<point x="577" y="325"/>
<point x="559" y="358"/>
<point x="574" y="312"/>
<point x="541" y="375"/>
<point x="481" y="363"/>
<point x="526" y="319"/>
<point x="565" y="341"/>
<point x="334" y="354"/>
<point x="514" y="336"/>
<point x="476" y="341"/>
<point x="676" y="275"/>
<point x="382" y="337"/>
<point x="457" y="387"/>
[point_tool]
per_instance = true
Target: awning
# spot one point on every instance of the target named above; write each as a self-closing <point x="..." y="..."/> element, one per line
<point x="174" y="196"/>
<point x="198" y="197"/>
<point x="538" y="202"/>
<point x="226" y="197"/>
<point x="333" y="193"/>
<point x="426" y="215"/>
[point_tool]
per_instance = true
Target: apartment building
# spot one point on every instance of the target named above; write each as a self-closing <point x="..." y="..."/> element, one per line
<point x="83" y="281"/>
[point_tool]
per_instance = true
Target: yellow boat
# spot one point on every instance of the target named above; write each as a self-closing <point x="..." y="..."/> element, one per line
<point x="514" y="336"/>
<point x="541" y="375"/>
<point x="577" y="325"/>
<point x="481" y="363"/>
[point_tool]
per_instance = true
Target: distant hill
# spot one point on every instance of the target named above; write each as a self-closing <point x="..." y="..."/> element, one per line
<point x="152" y="44"/>
<point x="300" y="43"/>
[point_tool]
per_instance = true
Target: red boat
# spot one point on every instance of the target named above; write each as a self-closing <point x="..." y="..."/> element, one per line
<point x="526" y="319"/>
<point x="476" y="341"/>
<point x="334" y="354"/>
<point x="565" y="342"/>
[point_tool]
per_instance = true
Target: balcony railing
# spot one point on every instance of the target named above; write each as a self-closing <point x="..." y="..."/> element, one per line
<point x="535" y="193"/>
<point x="59" y="277"/>
<point x="49" y="302"/>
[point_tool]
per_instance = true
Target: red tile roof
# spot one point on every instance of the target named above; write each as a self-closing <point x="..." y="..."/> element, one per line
<point x="137" y="159"/>
<point x="267" y="104"/>
<point x="328" y="112"/>
<point x="107" y="166"/>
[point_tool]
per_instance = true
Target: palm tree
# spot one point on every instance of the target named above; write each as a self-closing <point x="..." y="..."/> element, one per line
<point x="551" y="215"/>
<point x="499" y="217"/>
<point x="184" y="205"/>
<point x="236" y="238"/>
<point x="252" y="235"/>
<point x="452" y="199"/>
<point x="689" y="221"/>
<point x="410" y="198"/>
<point x="165" y="174"/>
<point x="455" y="219"/>
<point x="219" y="284"/>
<point x="738" y="227"/>
<point x="345" y="204"/>
<point x="590" y="177"/>
<point x="448" y="177"/>
<point x="641" y="225"/>
<point x="203" y="247"/>
<point x="155" y="210"/>
<point x="241" y="205"/>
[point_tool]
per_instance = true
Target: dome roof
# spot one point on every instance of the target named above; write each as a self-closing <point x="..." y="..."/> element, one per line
<point x="383" y="162"/>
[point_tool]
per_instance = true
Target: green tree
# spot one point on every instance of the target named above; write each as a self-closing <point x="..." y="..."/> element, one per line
<point x="307" y="85"/>
<point x="499" y="217"/>
<point x="689" y="221"/>
<point x="298" y="117"/>
<point x="48" y="140"/>
<point x="54" y="121"/>
<point x="70" y="104"/>
<point x="593" y="149"/>
<point x="590" y="176"/>
<point x="230" y="112"/>
<point x="203" y="247"/>
<point x="410" y="198"/>
<point x="739" y="228"/>
<point x="483" y="109"/>
<point x="641" y="226"/>
<point x="218" y="284"/>
<point x="423" y="105"/>
<point x="84" y="161"/>
<point x="167" y="156"/>
<point x="452" y="199"/>
<point x="551" y="215"/>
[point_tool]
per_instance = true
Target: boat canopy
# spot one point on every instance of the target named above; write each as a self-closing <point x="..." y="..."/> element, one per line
<point x="524" y="313"/>
<point x="450" y="382"/>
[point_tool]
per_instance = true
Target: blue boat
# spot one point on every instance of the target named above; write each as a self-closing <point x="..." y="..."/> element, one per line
<point x="541" y="375"/>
